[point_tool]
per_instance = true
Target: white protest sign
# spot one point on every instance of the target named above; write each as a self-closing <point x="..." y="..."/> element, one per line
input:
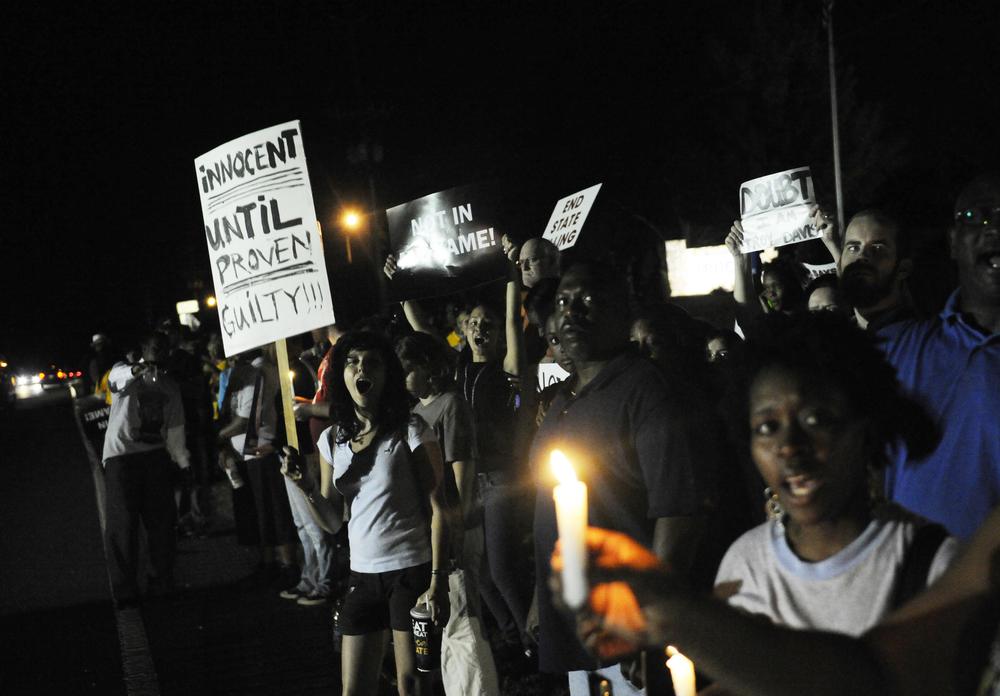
<point x="549" y="374"/>
<point x="563" y="228"/>
<point x="814" y="271"/>
<point x="264" y="244"/>
<point x="774" y="210"/>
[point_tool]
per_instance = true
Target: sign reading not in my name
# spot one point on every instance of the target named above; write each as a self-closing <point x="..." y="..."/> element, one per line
<point x="775" y="210"/>
<point x="446" y="242"/>
<point x="264" y="245"/>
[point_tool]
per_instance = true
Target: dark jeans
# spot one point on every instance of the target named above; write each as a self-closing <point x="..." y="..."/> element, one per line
<point x="138" y="486"/>
<point x="504" y="583"/>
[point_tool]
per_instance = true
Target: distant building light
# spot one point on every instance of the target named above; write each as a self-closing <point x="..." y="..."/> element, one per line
<point x="187" y="307"/>
<point x="698" y="270"/>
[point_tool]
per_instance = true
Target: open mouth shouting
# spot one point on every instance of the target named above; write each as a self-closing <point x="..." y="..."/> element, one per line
<point x="363" y="385"/>
<point x="800" y="488"/>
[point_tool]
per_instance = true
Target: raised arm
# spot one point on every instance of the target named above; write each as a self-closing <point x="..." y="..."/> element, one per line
<point x="743" y="290"/>
<point x="415" y="315"/>
<point x="513" y="326"/>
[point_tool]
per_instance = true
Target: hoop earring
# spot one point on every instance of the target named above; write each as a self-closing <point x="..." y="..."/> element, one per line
<point x="772" y="505"/>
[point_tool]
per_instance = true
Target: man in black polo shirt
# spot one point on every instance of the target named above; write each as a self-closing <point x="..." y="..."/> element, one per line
<point x="645" y="449"/>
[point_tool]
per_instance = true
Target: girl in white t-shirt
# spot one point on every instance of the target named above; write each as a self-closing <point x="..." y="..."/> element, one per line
<point x="824" y="406"/>
<point x="385" y="466"/>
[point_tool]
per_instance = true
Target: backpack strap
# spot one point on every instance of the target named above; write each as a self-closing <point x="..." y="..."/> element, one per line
<point x="912" y="577"/>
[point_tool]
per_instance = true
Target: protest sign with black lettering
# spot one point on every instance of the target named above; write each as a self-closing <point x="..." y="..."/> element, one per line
<point x="445" y="242"/>
<point x="549" y="374"/>
<point x="264" y="244"/>
<point x="92" y="413"/>
<point x="568" y="217"/>
<point x="774" y="210"/>
<point x="814" y="271"/>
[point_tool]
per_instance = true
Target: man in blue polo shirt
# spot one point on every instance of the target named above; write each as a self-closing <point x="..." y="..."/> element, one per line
<point x="951" y="364"/>
<point x="646" y="448"/>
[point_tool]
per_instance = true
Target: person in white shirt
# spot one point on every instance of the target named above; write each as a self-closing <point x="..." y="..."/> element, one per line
<point x="146" y="423"/>
<point x="385" y="465"/>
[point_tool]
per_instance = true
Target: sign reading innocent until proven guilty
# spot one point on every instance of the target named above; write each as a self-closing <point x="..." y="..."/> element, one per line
<point x="775" y="209"/>
<point x="264" y="245"/>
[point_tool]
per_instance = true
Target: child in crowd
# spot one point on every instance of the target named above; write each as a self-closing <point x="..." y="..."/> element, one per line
<point x="834" y="555"/>
<point x="466" y="659"/>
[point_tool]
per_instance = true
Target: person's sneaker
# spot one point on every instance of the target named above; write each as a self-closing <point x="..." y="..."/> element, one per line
<point x="313" y="599"/>
<point x="292" y="593"/>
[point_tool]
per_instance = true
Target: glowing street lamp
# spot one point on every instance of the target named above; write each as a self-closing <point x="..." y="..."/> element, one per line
<point x="210" y="301"/>
<point x="350" y="221"/>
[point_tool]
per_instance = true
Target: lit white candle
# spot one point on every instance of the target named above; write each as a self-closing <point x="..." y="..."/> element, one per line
<point x="571" y="517"/>
<point x="681" y="672"/>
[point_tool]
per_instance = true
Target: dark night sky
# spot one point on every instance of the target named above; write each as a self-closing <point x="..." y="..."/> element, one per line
<point x="107" y="109"/>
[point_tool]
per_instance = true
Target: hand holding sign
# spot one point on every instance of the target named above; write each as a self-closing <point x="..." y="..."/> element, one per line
<point x="510" y="250"/>
<point x="390" y="267"/>
<point x="734" y="240"/>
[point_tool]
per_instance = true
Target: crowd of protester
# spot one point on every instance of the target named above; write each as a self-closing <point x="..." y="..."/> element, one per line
<point x="819" y="463"/>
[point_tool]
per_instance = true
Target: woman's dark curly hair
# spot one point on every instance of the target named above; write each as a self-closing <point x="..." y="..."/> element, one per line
<point x="394" y="403"/>
<point x="432" y="353"/>
<point x="828" y="349"/>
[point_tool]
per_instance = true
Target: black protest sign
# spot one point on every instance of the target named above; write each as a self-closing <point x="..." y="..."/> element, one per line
<point x="92" y="413"/>
<point x="445" y="242"/>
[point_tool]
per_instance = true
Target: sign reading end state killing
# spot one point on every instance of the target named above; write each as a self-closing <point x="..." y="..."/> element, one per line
<point x="445" y="242"/>
<point x="568" y="217"/>
<point x="775" y="209"/>
<point x="264" y="245"/>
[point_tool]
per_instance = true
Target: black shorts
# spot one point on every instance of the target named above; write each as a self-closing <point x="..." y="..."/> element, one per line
<point x="377" y="601"/>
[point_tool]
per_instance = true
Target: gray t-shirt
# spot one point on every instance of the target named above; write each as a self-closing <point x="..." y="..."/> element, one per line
<point x="847" y="593"/>
<point x="450" y="417"/>
<point x="389" y="528"/>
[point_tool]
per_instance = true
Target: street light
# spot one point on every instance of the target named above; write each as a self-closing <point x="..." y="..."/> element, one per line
<point x="350" y="221"/>
<point x="210" y="301"/>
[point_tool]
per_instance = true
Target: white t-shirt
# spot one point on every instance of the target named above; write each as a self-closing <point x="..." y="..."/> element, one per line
<point x="846" y="593"/>
<point x="389" y="528"/>
<point x="145" y="415"/>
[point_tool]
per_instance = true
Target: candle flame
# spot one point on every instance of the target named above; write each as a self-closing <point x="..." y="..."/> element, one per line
<point x="561" y="467"/>
<point x="671" y="651"/>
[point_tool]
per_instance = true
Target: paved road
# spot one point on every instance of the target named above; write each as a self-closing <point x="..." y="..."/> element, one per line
<point x="58" y="627"/>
